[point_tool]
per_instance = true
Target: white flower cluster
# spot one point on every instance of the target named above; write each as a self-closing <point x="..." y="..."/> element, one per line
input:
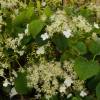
<point x="1" y="51"/>
<point x="40" y="50"/>
<point x="44" y="36"/>
<point x="10" y="3"/>
<point x="46" y="74"/>
<point x="13" y="92"/>
<point x="3" y="65"/>
<point x="1" y="71"/>
<point x="96" y="25"/>
<point x="53" y="2"/>
<point x="83" y="93"/>
<point x="81" y="23"/>
<point x="1" y="22"/>
<point x="94" y="7"/>
<point x="9" y="81"/>
<point x="6" y="83"/>
<point x="14" y="43"/>
<point x="59" y="24"/>
<point x="72" y="78"/>
<point x="26" y="30"/>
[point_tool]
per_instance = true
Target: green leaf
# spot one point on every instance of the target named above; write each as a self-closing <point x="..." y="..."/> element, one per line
<point x="86" y="69"/>
<point x="66" y="55"/>
<point x="61" y="42"/>
<point x="94" y="47"/>
<point x="21" y="83"/>
<point x="92" y="83"/>
<point x="70" y="10"/>
<point x="81" y="48"/>
<point x="35" y="27"/>
<point x="48" y="11"/>
<point x="26" y="40"/>
<point x="90" y="97"/>
<point x="98" y="91"/>
<point x="24" y="17"/>
<point x="38" y="6"/>
<point x="76" y="98"/>
<point x="87" y="13"/>
<point x="54" y="97"/>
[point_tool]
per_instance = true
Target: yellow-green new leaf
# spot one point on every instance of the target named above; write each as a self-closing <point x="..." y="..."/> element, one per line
<point x="35" y="27"/>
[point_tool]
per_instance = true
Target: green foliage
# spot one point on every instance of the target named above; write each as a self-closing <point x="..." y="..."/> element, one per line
<point x="54" y="97"/>
<point x="35" y="27"/>
<point x="26" y="40"/>
<point x="85" y="69"/>
<point x="92" y="83"/>
<point x="87" y="13"/>
<point x="21" y="83"/>
<point x="48" y="11"/>
<point x="21" y="36"/>
<point x="94" y="47"/>
<point x="98" y="91"/>
<point x="61" y="42"/>
<point x="81" y="48"/>
<point x="76" y="98"/>
<point x="24" y="17"/>
<point x="70" y="10"/>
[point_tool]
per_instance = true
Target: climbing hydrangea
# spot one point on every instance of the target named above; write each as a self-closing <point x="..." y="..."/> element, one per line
<point x="44" y="77"/>
<point x="45" y="46"/>
<point x="81" y="23"/>
<point x="59" y="23"/>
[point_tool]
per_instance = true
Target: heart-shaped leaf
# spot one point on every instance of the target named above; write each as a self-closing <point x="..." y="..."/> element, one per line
<point x="86" y="69"/>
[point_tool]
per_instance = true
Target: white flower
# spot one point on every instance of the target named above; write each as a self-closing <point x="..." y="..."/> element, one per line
<point x="13" y="92"/>
<point x="6" y="83"/>
<point x="45" y="36"/>
<point x="68" y="82"/>
<point x="16" y="11"/>
<point x="69" y="95"/>
<point x="26" y="30"/>
<point x="38" y="96"/>
<point x="83" y="94"/>
<point x="62" y="89"/>
<point x="1" y="72"/>
<point x="1" y="19"/>
<point x="40" y="50"/>
<point x="43" y="4"/>
<point x="20" y="35"/>
<point x="67" y="33"/>
<point x="20" y="52"/>
<point x="5" y="65"/>
<point x="96" y="25"/>
<point x="0" y="28"/>
<point x="14" y="73"/>
<point x="3" y="4"/>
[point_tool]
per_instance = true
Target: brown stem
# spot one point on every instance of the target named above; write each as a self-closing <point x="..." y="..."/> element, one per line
<point x="64" y="2"/>
<point x="22" y="98"/>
